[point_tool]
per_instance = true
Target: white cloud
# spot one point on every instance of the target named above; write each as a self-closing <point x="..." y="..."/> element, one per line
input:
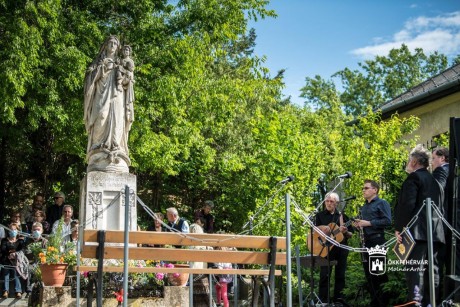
<point x="440" y="33"/>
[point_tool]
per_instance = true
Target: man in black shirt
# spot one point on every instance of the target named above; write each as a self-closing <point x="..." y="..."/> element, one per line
<point x="205" y="214"/>
<point x="375" y="216"/>
<point x="54" y="212"/>
<point x="332" y="221"/>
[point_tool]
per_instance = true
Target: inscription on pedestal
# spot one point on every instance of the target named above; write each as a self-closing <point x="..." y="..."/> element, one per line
<point x="103" y="200"/>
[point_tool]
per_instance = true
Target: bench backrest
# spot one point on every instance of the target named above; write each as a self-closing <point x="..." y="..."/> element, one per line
<point x="250" y="249"/>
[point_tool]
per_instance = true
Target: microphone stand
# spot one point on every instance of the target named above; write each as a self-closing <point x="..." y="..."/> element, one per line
<point x="312" y="218"/>
<point x="251" y="219"/>
<point x="328" y="254"/>
<point x="312" y="262"/>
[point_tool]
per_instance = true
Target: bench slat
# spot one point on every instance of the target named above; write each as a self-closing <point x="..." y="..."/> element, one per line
<point x="195" y="239"/>
<point x="120" y="269"/>
<point x="196" y="255"/>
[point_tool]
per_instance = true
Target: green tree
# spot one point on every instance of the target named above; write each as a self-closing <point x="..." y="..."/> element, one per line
<point x="377" y="80"/>
<point x="198" y="86"/>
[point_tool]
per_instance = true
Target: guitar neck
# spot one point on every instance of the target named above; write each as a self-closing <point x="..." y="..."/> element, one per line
<point x="337" y="229"/>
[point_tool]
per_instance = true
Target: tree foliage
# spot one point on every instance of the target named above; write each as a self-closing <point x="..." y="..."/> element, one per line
<point x="377" y="80"/>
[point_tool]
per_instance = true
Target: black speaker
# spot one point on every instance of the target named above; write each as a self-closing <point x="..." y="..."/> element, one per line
<point x="452" y="278"/>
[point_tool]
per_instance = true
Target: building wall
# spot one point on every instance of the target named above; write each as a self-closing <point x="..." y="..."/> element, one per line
<point x="434" y="117"/>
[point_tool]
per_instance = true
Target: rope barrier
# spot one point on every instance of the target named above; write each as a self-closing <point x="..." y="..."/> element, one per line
<point x="183" y="235"/>
<point x="307" y="220"/>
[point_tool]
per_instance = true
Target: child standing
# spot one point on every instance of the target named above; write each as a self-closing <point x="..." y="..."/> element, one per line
<point x="224" y="280"/>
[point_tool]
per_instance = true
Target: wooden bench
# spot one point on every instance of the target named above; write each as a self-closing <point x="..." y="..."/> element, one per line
<point x="251" y="250"/>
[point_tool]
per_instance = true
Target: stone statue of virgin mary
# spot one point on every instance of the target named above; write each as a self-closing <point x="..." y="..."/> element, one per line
<point x="109" y="112"/>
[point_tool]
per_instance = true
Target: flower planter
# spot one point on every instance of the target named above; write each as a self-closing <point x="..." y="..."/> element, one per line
<point x="180" y="279"/>
<point x="53" y="275"/>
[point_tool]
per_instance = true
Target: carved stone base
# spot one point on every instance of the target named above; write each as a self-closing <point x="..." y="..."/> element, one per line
<point x="56" y="296"/>
<point x="176" y="296"/>
<point x="98" y="207"/>
<point x="108" y="161"/>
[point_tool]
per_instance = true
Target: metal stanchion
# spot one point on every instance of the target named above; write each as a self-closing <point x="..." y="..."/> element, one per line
<point x="80" y="239"/>
<point x="429" y="226"/>
<point x="235" y="290"/>
<point x="210" y="289"/>
<point x="190" y="290"/>
<point x="288" y="251"/>
<point x="299" y="274"/>
<point x="126" y="249"/>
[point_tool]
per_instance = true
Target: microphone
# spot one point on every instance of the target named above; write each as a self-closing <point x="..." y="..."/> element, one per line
<point x="346" y="175"/>
<point x="287" y="179"/>
<point x="348" y="198"/>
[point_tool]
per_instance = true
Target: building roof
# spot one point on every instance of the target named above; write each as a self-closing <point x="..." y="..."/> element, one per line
<point x="441" y="85"/>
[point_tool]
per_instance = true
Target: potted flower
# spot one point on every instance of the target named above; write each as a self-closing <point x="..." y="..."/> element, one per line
<point x="55" y="257"/>
<point x="174" y="279"/>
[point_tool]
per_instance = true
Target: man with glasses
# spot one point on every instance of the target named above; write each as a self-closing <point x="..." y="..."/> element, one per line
<point x="418" y="186"/>
<point x="375" y="216"/>
<point x="54" y="212"/>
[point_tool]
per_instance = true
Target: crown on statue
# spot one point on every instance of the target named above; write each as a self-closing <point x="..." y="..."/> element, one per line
<point x="377" y="250"/>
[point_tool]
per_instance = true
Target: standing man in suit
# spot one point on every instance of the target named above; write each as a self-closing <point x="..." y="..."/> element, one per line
<point x="440" y="167"/>
<point x="417" y="187"/>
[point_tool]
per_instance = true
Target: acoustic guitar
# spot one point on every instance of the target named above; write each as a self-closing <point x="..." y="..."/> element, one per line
<point x="320" y="244"/>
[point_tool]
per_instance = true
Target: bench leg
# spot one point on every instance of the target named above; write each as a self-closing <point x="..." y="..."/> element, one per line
<point x="268" y="293"/>
<point x="93" y="284"/>
<point x="255" y="292"/>
<point x="100" y="265"/>
<point x="89" y="296"/>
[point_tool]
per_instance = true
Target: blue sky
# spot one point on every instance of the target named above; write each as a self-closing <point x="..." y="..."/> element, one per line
<point x="321" y="37"/>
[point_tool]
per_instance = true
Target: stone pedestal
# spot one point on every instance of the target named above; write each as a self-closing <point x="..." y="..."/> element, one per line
<point x="56" y="296"/>
<point x="98" y="210"/>
<point x="173" y="297"/>
<point x="176" y="296"/>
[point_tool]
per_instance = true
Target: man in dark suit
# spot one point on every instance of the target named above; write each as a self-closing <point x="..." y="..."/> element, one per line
<point x="440" y="167"/>
<point x="417" y="187"/>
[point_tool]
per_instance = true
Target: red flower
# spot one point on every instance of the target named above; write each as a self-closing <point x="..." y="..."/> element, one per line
<point x="119" y="296"/>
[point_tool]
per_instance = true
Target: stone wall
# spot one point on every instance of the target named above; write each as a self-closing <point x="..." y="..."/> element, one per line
<point x="61" y="296"/>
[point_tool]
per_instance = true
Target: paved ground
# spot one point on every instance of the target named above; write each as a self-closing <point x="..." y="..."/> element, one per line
<point x="13" y="302"/>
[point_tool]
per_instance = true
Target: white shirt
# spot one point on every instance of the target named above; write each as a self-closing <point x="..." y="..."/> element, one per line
<point x="66" y="228"/>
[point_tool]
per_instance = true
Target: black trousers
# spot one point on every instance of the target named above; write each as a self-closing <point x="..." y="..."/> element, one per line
<point x="417" y="272"/>
<point x="375" y="282"/>
<point x="340" y="255"/>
